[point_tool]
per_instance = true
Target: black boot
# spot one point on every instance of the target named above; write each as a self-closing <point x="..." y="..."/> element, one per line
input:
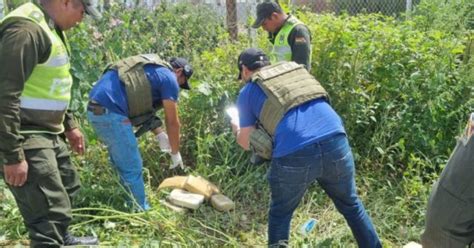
<point x="72" y="240"/>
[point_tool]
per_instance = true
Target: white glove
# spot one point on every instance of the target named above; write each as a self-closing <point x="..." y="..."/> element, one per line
<point x="176" y="160"/>
<point x="163" y="142"/>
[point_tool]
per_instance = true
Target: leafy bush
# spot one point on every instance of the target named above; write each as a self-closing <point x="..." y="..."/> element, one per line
<point x="448" y="16"/>
<point x="402" y="91"/>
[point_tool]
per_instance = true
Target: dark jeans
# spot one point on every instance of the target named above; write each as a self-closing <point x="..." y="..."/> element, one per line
<point x="330" y="162"/>
<point x="45" y="199"/>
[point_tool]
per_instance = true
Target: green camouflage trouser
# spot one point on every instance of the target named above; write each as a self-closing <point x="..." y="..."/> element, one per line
<point x="45" y="199"/>
<point x="450" y="213"/>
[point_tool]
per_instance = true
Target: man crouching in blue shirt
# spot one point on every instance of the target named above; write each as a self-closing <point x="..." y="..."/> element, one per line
<point x="127" y="95"/>
<point x="285" y="117"/>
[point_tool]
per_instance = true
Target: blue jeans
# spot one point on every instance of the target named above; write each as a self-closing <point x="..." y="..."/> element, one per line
<point x="330" y="162"/>
<point x="116" y="132"/>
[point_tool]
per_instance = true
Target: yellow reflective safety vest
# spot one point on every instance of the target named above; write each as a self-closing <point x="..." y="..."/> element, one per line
<point x="281" y="49"/>
<point x="47" y="92"/>
<point x="286" y="85"/>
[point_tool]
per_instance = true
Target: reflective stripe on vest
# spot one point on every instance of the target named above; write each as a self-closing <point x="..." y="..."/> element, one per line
<point x="281" y="49"/>
<point x="137" y="85"/>
<point x="42" y="104"/>
<point x="47" y="91"/>
<point x="286" y="85"/>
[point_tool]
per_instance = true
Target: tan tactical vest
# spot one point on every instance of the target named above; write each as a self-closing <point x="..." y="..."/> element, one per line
<point x="286" y="85"/>
<point x="132" y="74"/>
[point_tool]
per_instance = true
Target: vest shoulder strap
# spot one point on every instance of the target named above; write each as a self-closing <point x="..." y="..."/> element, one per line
<point x="36" y="15"/>
<point x="272" y="71"/>
<point x="132" y="74"/>
<point x="286" y="85"/>
<point x="293" y="21"/>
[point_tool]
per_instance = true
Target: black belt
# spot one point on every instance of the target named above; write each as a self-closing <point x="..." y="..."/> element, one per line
<point x="96" y="108"/>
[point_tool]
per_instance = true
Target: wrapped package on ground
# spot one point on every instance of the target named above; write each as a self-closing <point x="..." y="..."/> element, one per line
<point x="175" y="208"/>
<point x="201" y="186"/>
<point x="185" y="199"/>
<point x="222" y="202"/>
<point x="173" y="182"/>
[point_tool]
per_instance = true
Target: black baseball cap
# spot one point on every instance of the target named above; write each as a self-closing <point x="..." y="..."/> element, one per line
<point x="265" y="10"/>
<point x="252" y="58"/>
<point x="187" y="69"/>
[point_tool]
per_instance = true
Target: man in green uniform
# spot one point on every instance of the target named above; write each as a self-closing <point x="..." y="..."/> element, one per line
<point x="289" y="37"/>
<point x="450" y="213"/>
<point x="36" y="83"/>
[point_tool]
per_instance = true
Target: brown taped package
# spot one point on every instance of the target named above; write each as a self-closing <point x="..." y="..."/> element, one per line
<point x="192" y="184"/>
<point x="173" y="182"/>
<point x="201" y="186"/>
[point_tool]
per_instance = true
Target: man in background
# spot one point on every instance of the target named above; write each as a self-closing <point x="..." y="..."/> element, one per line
<point x="289" y="37"/>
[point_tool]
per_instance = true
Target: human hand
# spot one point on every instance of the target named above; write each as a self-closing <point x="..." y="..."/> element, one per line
<point x="176" y="160"/>
<point x="76" y="140"/>
<point x="16" y="174"/>
<point x="235" y="129"/>
<point x="163" y="142"/>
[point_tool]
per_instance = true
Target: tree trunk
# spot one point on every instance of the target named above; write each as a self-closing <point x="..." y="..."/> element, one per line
<point x="107" y="5"/>
<point x="232" y="18"/>
<point x="8" y="5"/>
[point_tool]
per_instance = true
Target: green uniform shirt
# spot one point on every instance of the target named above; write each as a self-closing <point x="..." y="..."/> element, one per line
<point x="23" y="45"/>
<point x="300" y="43"/>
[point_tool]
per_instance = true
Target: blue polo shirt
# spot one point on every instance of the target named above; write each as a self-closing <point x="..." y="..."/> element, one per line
<point x="111" y="94"/>
<point x="305" y="124"/>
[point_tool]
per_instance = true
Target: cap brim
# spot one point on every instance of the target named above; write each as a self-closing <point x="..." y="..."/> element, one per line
<point x="258" y="22"/>
<point x="185" y="85"/>
<point x="93" y="12"/>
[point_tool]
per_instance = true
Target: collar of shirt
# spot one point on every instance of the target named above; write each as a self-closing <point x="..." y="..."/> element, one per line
<point x="272" y="36"/>
<point x="46" y="16"/>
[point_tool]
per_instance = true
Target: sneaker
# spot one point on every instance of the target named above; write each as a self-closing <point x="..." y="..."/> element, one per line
<point x="72" y="240"/>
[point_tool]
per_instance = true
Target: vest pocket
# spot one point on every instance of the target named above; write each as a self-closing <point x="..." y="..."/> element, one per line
<point x="261" y="143"/>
